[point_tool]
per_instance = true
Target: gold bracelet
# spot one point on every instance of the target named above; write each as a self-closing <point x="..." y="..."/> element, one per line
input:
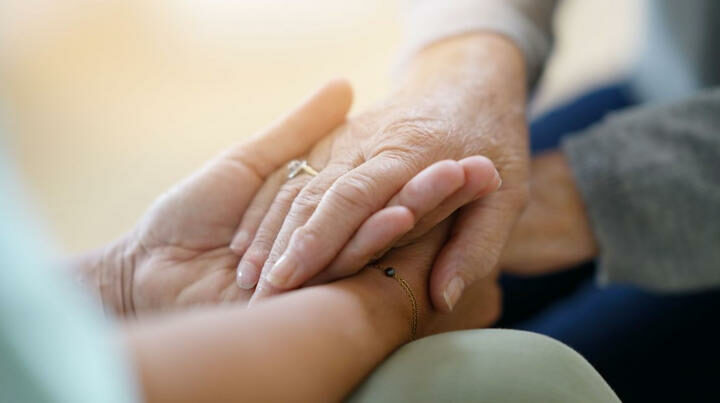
<point x="390" y="272"/>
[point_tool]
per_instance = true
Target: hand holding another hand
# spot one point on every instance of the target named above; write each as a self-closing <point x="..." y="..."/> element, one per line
<point x="446" y="111"/>
<point x="179" y="253"/>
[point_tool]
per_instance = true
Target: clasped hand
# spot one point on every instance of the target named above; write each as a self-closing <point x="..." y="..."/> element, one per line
<point x="240" y="208"/>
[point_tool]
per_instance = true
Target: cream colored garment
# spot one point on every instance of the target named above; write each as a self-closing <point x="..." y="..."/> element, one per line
<point x="527" y="22"/>
<point x="485" y="366"/>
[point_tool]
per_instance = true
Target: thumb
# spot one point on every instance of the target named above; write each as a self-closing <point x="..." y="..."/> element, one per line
<point x="297" y="131"/>
<point x="476" y="243"/>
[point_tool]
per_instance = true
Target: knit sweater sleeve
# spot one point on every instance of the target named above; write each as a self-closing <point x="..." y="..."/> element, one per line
<point x="650" y="179"/>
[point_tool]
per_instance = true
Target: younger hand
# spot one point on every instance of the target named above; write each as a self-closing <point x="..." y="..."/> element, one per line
<point x="179" y="254"/>
<point x="479" y="307"/>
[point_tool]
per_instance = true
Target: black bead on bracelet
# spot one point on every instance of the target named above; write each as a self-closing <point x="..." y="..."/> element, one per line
<point x="390" y="272"/>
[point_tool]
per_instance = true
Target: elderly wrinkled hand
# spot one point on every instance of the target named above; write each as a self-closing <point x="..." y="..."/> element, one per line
<point x="334" y="222"/>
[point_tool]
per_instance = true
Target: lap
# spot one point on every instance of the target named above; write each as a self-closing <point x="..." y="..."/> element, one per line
<point x="489" y="365"/>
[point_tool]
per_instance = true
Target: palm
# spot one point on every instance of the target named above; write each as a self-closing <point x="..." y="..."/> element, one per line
<point x="185" y="237"/>
<point x="184" y="257"/>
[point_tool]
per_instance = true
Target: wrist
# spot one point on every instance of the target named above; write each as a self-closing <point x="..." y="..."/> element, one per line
<point x="107" y="273"/>
<point x="471" y="65"/>
<point x="384" y="305"/>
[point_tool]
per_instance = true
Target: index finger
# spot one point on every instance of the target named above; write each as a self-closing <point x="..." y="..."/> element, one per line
<point x="349" y="201"/>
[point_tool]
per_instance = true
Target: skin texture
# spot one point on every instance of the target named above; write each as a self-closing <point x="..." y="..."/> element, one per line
<point x="180" y="256"/>
<point x="462" y="97"/>
<point x="554" y="232"/>
<point x="428" y="198"/>
<point x="339" y="333"/>
<point x="179" y="253"/>
<point x="228" y="352"/>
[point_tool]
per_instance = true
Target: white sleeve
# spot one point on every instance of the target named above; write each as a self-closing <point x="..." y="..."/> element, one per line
<point x="528" y="23"/>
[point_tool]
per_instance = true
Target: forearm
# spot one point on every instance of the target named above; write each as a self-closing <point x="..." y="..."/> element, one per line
<point x="315" y="344"/>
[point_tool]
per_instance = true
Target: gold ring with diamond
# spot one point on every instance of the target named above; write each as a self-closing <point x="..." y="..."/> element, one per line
<point x="295" y="167"/>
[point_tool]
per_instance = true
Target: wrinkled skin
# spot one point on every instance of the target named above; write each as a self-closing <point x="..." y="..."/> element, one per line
<point x="377" y="152"/>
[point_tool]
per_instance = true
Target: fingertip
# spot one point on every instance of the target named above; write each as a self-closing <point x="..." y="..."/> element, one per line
<point x="481" y="176"/>
<point x="426" y="190"/>
<point x="448" y="171"/>
<point x="478" y="167"/>
<point x="247" y="275"/>
<point x="342" y="91"/>
<point x="443" y="283"/>
<point x="384" y="228"/>
<point x="498" y="182"/>
<point x="378" y="233"/>
<point x="478" y="160"/>
<point x="401" y="216"/>
<point x="492" y="186"/>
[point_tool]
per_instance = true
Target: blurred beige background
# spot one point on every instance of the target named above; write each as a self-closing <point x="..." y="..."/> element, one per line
<point x="109" y="103"/>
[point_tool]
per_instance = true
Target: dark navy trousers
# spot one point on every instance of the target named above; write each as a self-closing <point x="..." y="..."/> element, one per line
<point x="649" y="347"/>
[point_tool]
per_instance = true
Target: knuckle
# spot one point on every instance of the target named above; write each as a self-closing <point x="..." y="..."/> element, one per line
<point x="307" y="239"/>
<point x="303" y="206"/>
<point x="419" y="127"/>
<point x="262" y="243"/>
<point x="306" y="201"/>
<point x="354" y="192"/>
<point x="415" y="134"/>
<point x="407" y="162"/>
<point x="257" y="254"/>
<point x="286" y="194"/>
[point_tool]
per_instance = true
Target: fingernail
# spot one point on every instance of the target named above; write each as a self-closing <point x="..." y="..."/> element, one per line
<point x="281" y="271"/>
<point x="246" y="275"/>
<point x="499" y="181"/>
<point x="453" y="292"/>
<point x="240" y="242"/>
<point x="486" y="189"/>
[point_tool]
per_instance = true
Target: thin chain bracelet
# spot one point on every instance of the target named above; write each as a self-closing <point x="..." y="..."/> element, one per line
<point x="390" y="272"/>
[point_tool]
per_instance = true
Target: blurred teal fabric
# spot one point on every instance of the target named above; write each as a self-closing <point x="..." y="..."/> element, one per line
<point x="55" y="345"/>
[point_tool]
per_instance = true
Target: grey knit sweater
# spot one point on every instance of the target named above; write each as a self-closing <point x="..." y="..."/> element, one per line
<point x="651" y="182"/>
<point x="650" y="177"/>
